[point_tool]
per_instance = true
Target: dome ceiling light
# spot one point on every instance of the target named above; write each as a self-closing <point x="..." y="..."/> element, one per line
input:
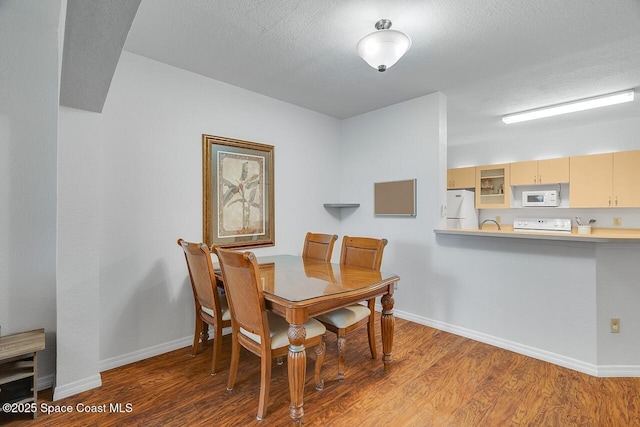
<point x="384" y="47"/>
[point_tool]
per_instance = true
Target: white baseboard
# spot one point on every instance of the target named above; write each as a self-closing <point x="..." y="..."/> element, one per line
<point x="619" y="371"/>
<point x="536" y="353"/>
<point x="145" y="353"/>
<point x="46" y="382"/>
<point x="155" y="350"/>
<point x="66" y="390"/>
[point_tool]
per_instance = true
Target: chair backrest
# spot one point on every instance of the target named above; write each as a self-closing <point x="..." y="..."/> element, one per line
<point x="362" y="252"/>
<point x="241" y="277"/>
<point x="318" y="246"/>
<point x="203" y="279"/>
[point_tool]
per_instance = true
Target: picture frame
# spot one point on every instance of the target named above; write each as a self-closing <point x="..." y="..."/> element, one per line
<point x="238" y="193"/>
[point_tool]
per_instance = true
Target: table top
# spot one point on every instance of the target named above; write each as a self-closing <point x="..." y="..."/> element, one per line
<point x="297" y="279"/>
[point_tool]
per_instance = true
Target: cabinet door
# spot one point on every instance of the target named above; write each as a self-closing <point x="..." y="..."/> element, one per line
<point x="461" y="178"/>
<point x="626" y="179"/>
<point x="552" y="171"/>
<point x="492" y="186"/>
<point x="524" y="173"/>
<point x="591" y="181"/>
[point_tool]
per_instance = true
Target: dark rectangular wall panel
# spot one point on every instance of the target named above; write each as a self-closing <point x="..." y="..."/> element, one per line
<point x="395" y="198"/>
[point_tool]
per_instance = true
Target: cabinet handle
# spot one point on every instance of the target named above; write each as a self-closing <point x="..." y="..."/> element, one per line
<point x="535" y="179"/>
<point x="609" y="201"/>
<point x="539" y="179"/>
<point x="616" y="200"/>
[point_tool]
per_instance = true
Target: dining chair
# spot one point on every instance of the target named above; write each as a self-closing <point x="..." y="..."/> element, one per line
<point x="262" y="332"/>
<point x="318" y="246"/>
<point x="211" y="307"/>
<point x="364" y="252"/>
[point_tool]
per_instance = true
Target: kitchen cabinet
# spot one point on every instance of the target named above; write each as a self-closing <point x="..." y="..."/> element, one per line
<point x="549" y="171"/>
<point x="461" y="178"/>
<point x="492" y="186"/>
<point x="19" y="369"/>
<point x="605" y="180"/>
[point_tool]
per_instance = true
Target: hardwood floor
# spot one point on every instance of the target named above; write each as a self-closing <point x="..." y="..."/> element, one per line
<point x="437" y="379"/>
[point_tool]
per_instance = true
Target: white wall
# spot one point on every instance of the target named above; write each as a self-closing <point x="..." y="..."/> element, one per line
<point x="28" y="133"/>
<point x="584" y="285"/>
<point x="403" y="141"/>
<point x="77" y="291"/>
<point x="150" y="170"/>
<point x="618" y="294"/>
<point x="472" y="287"/>
<point x="489" y="289"/>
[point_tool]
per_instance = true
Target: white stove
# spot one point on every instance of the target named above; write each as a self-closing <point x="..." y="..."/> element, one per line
<point x="543" y="225"/>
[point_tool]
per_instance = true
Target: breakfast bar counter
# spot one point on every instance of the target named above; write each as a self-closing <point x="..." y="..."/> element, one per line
<point x="598" y="235"/>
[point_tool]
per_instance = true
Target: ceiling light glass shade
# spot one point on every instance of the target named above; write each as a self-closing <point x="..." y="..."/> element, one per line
<point x="570" y="107"/>
<point x="383" y="48"/>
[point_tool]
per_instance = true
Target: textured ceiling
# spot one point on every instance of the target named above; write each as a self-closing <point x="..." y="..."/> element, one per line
<point x="489" y="57"/>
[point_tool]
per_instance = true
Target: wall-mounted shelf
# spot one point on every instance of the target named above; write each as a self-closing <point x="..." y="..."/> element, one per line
<point x="342" y="205"/>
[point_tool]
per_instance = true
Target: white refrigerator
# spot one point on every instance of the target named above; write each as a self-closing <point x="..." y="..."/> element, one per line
<point x="461" y="209"/>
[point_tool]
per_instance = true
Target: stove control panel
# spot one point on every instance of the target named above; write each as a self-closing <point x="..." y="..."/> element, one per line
<point x="560" y="225"/>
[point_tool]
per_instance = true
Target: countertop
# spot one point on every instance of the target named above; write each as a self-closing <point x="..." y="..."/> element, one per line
<point x="598" y="235"/>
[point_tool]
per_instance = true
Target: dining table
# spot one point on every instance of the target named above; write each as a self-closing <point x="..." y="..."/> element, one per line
<point x="299" y="288"/>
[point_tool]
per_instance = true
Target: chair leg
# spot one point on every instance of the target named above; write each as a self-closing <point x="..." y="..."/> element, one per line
<point x="320" y="353"/>
<point x="235" y="361"/>
<point x="204" y="336"/>
<point x="197" y="334"/>
<point x="265" y="381"/>
<point x="371" y="327"/>
<point x="342" y="350"/>
<point x="217" y="349"/>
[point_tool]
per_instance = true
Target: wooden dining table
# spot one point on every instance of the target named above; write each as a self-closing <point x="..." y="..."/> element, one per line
<point x="297" y="289"/>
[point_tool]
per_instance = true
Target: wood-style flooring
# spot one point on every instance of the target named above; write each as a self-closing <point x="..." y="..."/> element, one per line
<point x="437" y="379"/>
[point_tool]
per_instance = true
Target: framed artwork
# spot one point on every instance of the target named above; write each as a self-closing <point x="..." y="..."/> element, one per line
<point x="238" y="193"/>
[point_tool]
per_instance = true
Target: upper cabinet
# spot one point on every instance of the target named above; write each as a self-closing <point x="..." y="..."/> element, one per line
<point x="551" y="171"/>
<point x="461" y="178"/>
<point x="610" y="180"/>
<point x="492" y="186"/>
<point x="591" y="180"/>
<point x="626" y="179"/>
<point x="605" y="180"/>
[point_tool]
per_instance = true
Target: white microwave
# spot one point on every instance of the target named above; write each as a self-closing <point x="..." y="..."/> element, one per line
<point x="540" y="198"/>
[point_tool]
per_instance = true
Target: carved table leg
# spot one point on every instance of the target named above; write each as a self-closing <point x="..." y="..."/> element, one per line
<point x="320" y="350"/>
<point x="387" y="323"/>
<point x="297" y="366"/>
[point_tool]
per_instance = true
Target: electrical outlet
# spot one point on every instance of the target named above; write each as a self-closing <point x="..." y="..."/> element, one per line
<point x="617" y="222"/>
<point x="615" y="325"/>
<point x="498" y="219"/>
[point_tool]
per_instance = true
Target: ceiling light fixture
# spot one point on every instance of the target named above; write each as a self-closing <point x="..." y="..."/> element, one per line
<point x="570" y="107"/>
<point x="381" y="49"/>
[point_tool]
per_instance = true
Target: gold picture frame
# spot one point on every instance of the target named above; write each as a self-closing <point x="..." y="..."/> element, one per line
<point x="238" y="193"/>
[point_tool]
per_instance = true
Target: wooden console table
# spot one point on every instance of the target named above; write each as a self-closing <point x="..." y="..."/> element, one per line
<point x="19" y="368"/>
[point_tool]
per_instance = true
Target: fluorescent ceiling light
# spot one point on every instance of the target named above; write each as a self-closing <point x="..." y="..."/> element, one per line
<point x="570" y="107"/>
